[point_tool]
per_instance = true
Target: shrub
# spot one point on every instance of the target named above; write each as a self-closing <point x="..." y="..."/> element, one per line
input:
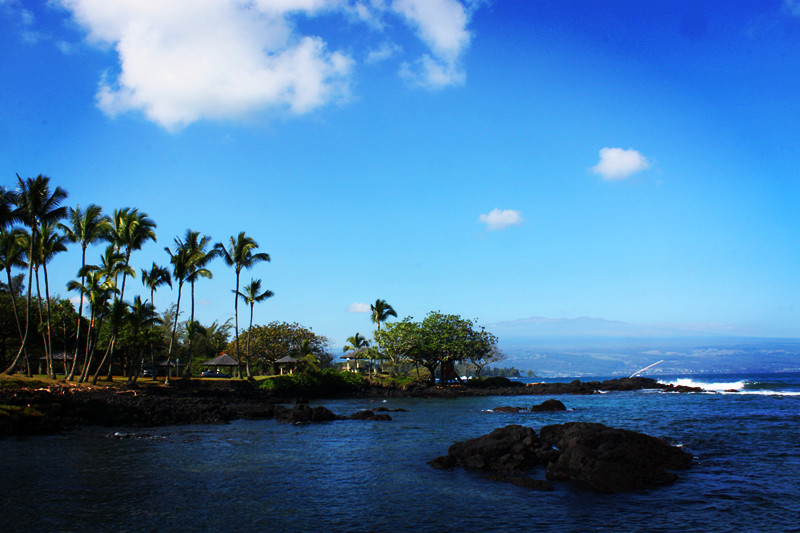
<point x="314" y="383"/>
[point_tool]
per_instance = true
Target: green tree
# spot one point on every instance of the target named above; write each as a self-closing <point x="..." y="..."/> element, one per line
<point x="380" y="312"/>
<point x="98" y="290"/>
<point x="180" y="260"/>
<point x="152" y="279"/>
<point x="37" y="205"/>
<point x="356" y="344"/>
<point x="12" y="255"/>
<point x="240" y="254"/>
<point x="278" y="339"/>
<point x="439" y="340"/>
<point x="49" y="242"/>
<point x="141" y="318"/>
<point x="199" y="257"/>
<point x="85" y="228"/>
<point x="131" y="229"/>
<point x="251" y="297"/>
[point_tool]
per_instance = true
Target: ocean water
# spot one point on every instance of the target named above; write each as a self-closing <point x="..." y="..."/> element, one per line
<point x="373" y="476"/>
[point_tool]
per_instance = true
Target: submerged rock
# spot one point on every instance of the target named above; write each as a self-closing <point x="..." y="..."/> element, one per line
<point x="602" y="458"/>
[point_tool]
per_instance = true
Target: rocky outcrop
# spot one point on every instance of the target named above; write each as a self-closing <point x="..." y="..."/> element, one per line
<point x="548" y="406"/>
<point x="602" y="458"/>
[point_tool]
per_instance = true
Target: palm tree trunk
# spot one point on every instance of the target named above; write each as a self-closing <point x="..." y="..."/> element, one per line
<point x="14" y="307"/>
<point x="52" y="369"/>
<point x="22" y="350"/>
<point x="48" y="361"/>
<point x="249" y="331"/>
<point x="236" y="323"/>
<point x="88" y="356"/>
<point x="174" y="330"/>
<point x="71" y="375"/>
<point x="188" y="368"/>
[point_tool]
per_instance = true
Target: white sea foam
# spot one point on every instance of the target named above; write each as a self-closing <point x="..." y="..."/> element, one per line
<point x="716" y="387"/>
<point x="732" y="387"/>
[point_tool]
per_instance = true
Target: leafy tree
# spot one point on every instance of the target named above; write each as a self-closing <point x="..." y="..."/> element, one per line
<point x="12" y="253"/>
<point x="439" y="340"/>
<point x="278" y="339"/>
<point x="252" y="296"/>
<point x="85" y="228"/>
<point x="36" y="205"/>
<point x="240" y="255"/>
<point x="98" y="290"/>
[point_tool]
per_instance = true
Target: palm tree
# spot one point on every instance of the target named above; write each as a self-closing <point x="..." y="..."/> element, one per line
<point x="98" y="291"/>
<point x="180" y="271"/>
<point x="240" y="255"/>
<point x="199" y="257"/>
<point x="251" y="297"/>
<point x="141" y="317"/>
<point x="49" y="243"/>
<point x="8" y="201"/>
<point x="85" y="227"/>
<point x="131" y="230"/>
<point x="12" y="253"/>
<point x="36" y="205"/>
<point x="307" y="359"/>
<point x="154" y="278"/>
<point x="381" y="311"/>
<point x="356" y="344"/>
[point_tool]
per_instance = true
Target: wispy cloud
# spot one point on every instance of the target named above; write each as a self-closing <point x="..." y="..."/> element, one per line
<point x="498" y="219"/>
<point x="181" y="61"/>
<point x="792" y="7"/>
<point x="618" y="164"/>
<point x="358" y="308"/>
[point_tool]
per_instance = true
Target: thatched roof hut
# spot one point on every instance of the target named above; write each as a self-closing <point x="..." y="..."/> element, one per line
<point x="221" y="360"/>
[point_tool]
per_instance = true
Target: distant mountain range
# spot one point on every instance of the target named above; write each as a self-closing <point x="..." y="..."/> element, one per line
<point x="597" y="347"/>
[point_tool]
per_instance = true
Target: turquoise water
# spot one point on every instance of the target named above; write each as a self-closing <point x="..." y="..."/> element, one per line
<point x="373" y="476"/>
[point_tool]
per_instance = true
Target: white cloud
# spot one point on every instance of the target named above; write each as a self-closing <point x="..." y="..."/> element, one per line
<point x="182" y="60"/>
<point x="358" y="308"/>
<point x="383" y="52"/>
<point x="442" y="25"/>
<point x="617" y="164"/>
<point x="498" y="219"/>
<point x="792" y="7"/>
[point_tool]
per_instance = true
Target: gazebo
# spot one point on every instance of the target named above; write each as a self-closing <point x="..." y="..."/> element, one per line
<point x="222" y="361"/>
<point x="354" y="356"/>
<point x="57" y="356"/>
<point x="286" y="361"/>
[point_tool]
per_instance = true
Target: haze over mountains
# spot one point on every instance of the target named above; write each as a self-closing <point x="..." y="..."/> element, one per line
<point x="597" y="347"/>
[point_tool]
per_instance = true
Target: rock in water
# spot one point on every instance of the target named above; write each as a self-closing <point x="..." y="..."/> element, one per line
<point x="605" y="459"/>
<point x="611" y="460"/>
<point x="549" y="405"/>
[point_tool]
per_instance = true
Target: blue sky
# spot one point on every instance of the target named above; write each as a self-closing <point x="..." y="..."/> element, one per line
<point x="632" y="161"/>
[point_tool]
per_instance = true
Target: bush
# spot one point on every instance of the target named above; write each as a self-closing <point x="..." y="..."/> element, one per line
<point x="319" y="383"/>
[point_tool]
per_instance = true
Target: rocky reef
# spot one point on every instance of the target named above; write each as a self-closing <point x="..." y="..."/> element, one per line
<point x="602" y="458"/>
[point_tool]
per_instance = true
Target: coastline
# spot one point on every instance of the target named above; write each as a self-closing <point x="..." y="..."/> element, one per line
<point x="64" y="406"/>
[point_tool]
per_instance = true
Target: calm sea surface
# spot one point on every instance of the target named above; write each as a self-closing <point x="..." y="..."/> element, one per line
<point x="373" y="476"/>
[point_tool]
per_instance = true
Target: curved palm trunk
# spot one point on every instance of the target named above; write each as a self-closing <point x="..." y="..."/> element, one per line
<point x="71" y="375"/>
<point x="152" y="349"/>
<point x="174" y="330"/>
<point x="115" y="331"/>
<point x="14" y="304"/>
<point x="89" y="355"/>
<point x="48" y="361"/>
<point x="22" y="350"/>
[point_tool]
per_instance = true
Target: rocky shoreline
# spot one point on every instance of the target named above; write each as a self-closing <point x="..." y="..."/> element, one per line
<point x="64" y="407"/>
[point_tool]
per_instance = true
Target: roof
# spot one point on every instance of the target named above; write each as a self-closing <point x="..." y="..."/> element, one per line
<point x="355" y="354"/>
<point x="221" y="360"/>
<point x="58" y="356"/>
<point x="287" y="359"/>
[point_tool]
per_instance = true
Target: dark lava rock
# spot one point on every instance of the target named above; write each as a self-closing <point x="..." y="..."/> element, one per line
<point x="303" y="414"/>
<point x="549" y="405"/>
<point x="506" y="409"/>
<point x="367" y="414"/>
<point x="611" y="460"/>
<point x="602" y="458"/>
<point x="508" y="449"/>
